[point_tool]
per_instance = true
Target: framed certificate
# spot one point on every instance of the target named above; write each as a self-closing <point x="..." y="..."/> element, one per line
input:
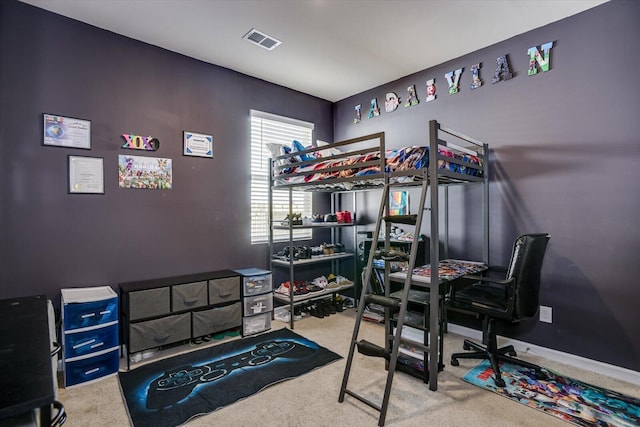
<point x="198" y="145"/>
<point x="86" y="175"/>
<point x="67" y="132"/>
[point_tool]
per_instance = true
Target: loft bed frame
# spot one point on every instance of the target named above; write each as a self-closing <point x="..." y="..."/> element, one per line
<point x="458" y="159"/>
<point x="455" y="163"/>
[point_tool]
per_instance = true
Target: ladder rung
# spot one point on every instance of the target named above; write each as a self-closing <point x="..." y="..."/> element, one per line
<point x="370" y="349"/>
<point x="391" y="255"/>
<point x="382" y="300"/>
<point x="402" y="219"/>
<point x="424" y="347"/>
<point x="363" y="400"/>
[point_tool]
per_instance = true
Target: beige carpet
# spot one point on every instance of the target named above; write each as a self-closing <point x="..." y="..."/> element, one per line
<point x="312" y="399"/>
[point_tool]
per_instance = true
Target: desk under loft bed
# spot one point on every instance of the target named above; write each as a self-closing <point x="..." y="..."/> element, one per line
<point x="355" y="165"/>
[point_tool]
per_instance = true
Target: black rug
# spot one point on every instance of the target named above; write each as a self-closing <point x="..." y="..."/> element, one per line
<point x="172" y="391"/>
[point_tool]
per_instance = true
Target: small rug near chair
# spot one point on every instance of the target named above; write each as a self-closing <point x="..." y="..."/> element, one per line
<point x="571" y="400"/>
<point x="172" y="391"/>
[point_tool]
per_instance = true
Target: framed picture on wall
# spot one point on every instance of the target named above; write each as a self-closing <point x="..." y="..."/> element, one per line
<point x="198" y="145"/>
<point x="69" y="132"/>
<point x="152" y="173"/>
<point x="86" y="175"/>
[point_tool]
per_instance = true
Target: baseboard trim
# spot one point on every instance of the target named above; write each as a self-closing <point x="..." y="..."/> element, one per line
<point x="617" y="372"/>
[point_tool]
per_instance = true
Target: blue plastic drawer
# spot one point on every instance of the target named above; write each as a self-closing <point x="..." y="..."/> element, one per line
<point x="87" y="314"/>
<point x="254" y="285"/>
<point x="91" y="368"/>
<point x="91" y="341"/>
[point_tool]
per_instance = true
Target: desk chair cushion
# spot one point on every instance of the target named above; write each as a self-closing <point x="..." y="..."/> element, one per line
<point x="487" y="298"/>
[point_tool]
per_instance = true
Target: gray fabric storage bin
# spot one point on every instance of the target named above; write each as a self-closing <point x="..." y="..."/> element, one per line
<point x="216" y="319"/>
<point x="189" y="296"/>
<point x="149" y="303"/>
<point x="224" y="289"/>
<point x="156" y="333"/>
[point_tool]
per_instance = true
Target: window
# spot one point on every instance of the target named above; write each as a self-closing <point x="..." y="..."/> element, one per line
<point x="269" y="128"/>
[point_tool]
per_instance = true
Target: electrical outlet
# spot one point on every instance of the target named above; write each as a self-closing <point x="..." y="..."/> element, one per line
<point x="546" y="314"/>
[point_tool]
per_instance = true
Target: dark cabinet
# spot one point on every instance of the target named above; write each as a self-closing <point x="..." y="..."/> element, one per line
<point x="165" y="311"/>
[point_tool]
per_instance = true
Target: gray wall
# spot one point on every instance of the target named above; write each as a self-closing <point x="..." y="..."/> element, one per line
<point x="52" y="240"/>
<point x="564" y="146"/>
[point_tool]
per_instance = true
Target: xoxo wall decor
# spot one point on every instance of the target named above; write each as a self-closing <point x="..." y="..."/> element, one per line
<point x="136" y="142"/>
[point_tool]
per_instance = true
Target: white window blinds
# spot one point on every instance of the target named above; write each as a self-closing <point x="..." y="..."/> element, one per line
<point x="269" y="128"/>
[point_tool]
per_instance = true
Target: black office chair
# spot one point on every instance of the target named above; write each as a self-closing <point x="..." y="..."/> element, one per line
<point x="503" y="301"/>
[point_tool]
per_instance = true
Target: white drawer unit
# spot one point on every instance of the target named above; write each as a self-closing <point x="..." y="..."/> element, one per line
<point x="257" y="300"/>
<point x="90" y="334"/>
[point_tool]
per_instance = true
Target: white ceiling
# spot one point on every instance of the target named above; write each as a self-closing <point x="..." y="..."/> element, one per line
<point x="331" y="49"/>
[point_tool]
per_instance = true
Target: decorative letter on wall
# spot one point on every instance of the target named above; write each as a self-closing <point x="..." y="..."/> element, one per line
<point x="453" y="82"/>
<point x="503" y="71"/>
<point x="431" y="90"/>
<point x="374" y="111"/>
<point x="412" y="98"/>
<point x="391" y="103"/>
<point x="136" y="142"/>
<point x="475" y="76"/>
<point x="534" y="56"/>
<point x="358" y="115"/>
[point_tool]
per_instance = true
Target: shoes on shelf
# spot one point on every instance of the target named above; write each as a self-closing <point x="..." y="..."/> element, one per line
<point x="343" y="281"/>
<point x="344" y="217"/>
<point x="282" y="315"/>
<point x="328" y="249"/>
<point x="320" y="282"/>
<point x="328" y="307"/>
<point x="332" y="282"/>
<point x="299" y="288"/>
<point x="316" y="311"/>
<point x="314" y="288"/>
<point x="293" y="219"/>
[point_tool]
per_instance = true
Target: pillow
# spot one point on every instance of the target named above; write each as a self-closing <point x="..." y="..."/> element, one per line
<point x="297" y="146"/>
<point x="327" y="152"/>
<point x="275" y="149"/>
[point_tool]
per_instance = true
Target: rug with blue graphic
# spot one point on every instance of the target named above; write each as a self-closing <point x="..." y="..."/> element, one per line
<point x="170" y="392"/>
<point x="566" y="398"/>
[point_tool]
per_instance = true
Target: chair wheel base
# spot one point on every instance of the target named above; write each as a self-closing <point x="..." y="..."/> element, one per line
<point x="499" y="382"/>
<point x="454" y="362"/>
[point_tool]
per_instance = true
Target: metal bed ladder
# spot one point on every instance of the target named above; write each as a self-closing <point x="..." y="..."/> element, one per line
<point x="392" y="341"/>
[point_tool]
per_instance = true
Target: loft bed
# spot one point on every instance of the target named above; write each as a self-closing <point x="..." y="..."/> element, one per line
<point x="356" y="164"/>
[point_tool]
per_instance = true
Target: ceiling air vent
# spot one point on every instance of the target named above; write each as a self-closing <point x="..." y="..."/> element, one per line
<point x="261" y="39"/>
